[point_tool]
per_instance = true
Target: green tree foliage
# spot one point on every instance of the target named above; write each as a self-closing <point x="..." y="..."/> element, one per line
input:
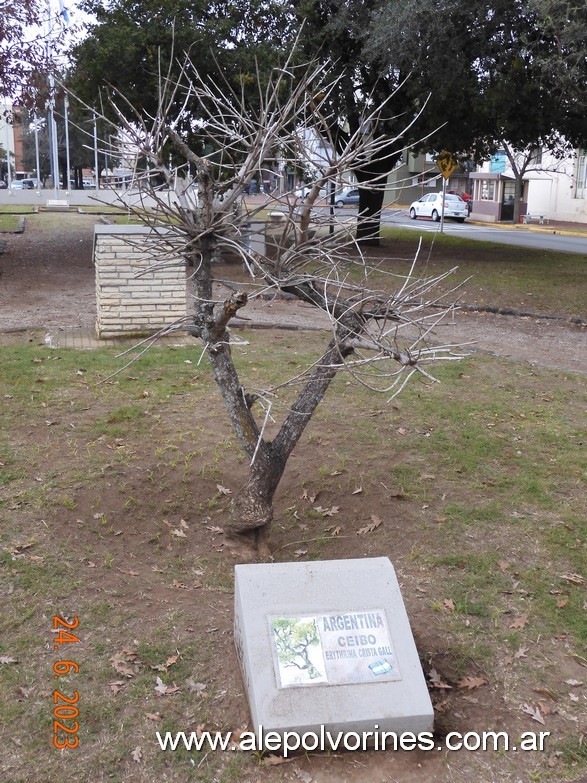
<point x="507" y="75"/>
<point x="466" y="77"/>
<point x="134" y="42"/>
<point x="509" y="71"/>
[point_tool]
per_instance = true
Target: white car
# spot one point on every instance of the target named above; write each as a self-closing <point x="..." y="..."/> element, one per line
<point x="430" y="206"/>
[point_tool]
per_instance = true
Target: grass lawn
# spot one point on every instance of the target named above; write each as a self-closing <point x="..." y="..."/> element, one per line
<point x="113" y="497"/>
<point x="541" y="281"/>
<point x="9" y="223"/>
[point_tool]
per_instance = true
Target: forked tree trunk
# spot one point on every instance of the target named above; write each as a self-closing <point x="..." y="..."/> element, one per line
<point x="252" y="507"/>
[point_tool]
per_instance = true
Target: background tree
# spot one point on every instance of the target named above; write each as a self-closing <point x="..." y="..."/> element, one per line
<point x="504" y="75"/>
<point x="25" y="47"/>
<point x="487" y="73"/>
<point x="205" y="217"/>
<point x="132" y="43"/>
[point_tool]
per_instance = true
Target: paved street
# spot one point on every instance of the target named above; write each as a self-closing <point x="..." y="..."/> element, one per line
<point x="543" y="238"/>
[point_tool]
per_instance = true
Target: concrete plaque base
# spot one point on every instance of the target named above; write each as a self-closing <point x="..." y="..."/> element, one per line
<point x="328" y="644"/>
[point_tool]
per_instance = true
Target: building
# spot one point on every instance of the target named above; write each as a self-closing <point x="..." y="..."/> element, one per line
<point x="559" y="191"/>
<point x="553" y="188"/>
<point x="416" y="174"/>
<point x="11" y="138"/>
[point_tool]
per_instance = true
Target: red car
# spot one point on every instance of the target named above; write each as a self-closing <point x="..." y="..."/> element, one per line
<point x="461" y="193"/>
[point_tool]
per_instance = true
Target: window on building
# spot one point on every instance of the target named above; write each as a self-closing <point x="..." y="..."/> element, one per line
<point x="487" y="190"/>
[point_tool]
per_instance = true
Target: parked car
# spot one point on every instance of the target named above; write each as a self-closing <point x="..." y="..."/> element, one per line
<point x="3" y="185"/>
<point x="23" y="184"/>
<point x="430" y="206"/>
<point x="347" y="198"/>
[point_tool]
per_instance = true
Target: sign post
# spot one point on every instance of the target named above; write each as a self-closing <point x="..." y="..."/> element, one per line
<point x="447" y="164"/>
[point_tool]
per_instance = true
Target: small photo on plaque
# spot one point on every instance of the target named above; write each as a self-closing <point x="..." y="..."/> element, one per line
<point x="298" y="648"/>
<point x="333" y="649"/>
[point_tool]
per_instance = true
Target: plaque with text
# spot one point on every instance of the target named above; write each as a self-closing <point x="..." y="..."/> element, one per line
<point x="333" y="649"/>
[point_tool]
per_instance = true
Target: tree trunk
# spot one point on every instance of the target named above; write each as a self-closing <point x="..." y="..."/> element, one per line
<point x="252" y="506"/>
<point x="518" y="192"/>
<point x="369" y="217"/>
<point x="251" y="510"/>
<point x="373" y="175"/>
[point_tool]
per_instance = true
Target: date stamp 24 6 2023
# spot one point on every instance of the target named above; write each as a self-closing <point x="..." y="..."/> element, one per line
<point x="65" y="711"/>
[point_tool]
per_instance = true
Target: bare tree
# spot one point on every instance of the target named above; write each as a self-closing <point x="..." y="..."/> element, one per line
<point x="312" y="255"/>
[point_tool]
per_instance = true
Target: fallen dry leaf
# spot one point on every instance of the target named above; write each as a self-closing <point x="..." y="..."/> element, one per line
<point x="121" y="663"/>
<point x="436" y="680"/>
<point x="178" y="532"/>
<point x="137" y="754"/>
<point x="545" y="692"/>
<point x="165" y="690"/>
<point x="521" y="652"/>
<point x="300" y="552"/>
<point x="449" y="604"/>
<point x="334" y="531"/>
<point x="533" y="712"/>
<point x="503" y="565"/>
<point x="520" y="621"/>
<point x="196" y="687"/>
<point x="470" y="683"/>
<point x="116" y="686"/>
<point x="223" y="490"/>
<point x="370" y="527"/>
<point x="7" y="659"/>
<point x="574" y="683"/>
<point x="357" y="491"/>
<point x="327" y="512"/>
<point x="272" y="760"/>
<point x="154" y="716"/>
<point x="562" y="602"/>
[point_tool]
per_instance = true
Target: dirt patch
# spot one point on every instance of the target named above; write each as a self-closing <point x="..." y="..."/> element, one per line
<point x="47" y="281"/>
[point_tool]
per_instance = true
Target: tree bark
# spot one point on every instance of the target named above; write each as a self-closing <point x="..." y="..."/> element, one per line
<point x="252" y="507"/>
<point x="372" y="178"/>
<point x="369" y="217"/>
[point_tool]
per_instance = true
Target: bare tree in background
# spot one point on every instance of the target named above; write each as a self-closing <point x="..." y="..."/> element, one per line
<point x="312" y="255"/>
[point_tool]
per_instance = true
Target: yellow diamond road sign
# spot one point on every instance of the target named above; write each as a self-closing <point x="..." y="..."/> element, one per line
<point x="446" y="163"/>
